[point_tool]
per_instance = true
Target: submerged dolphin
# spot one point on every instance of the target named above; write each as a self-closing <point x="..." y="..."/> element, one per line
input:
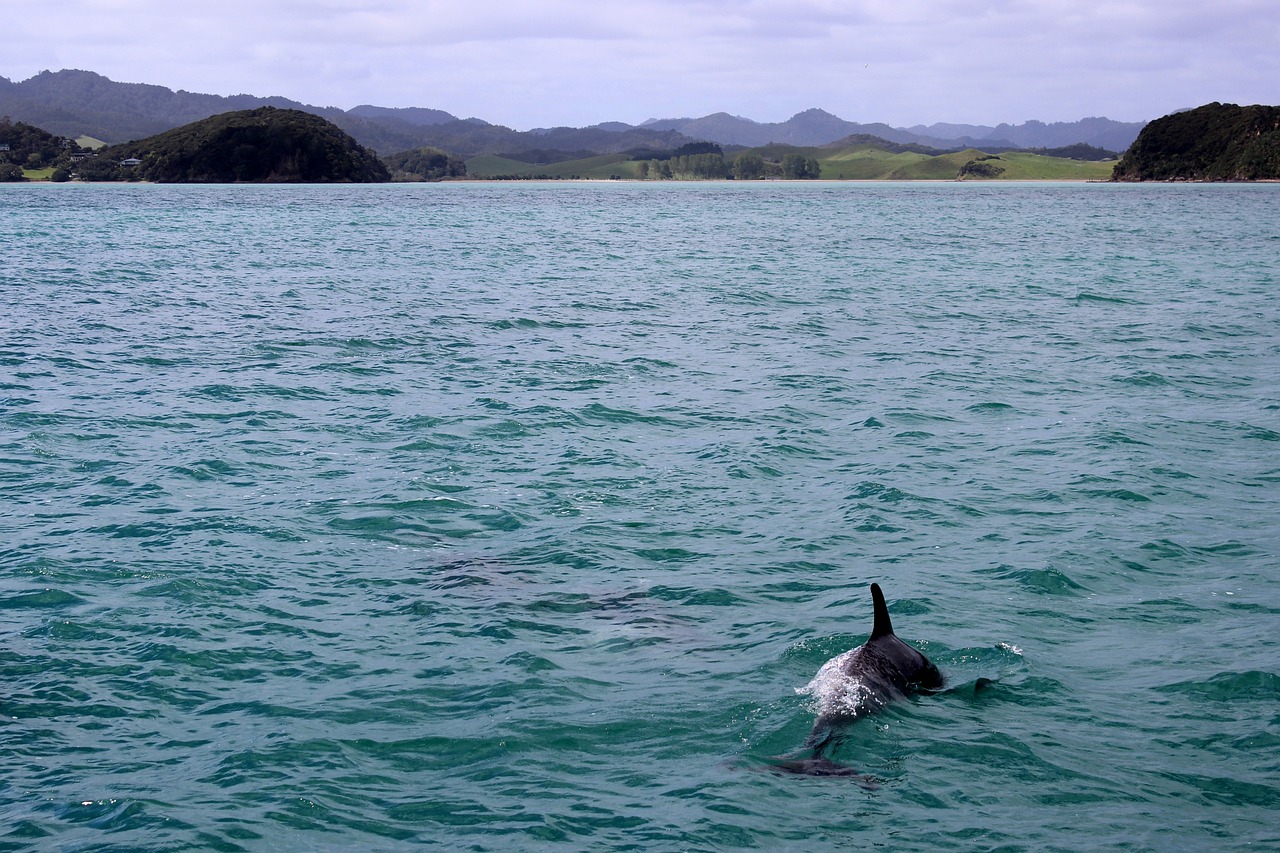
<point x="858" y="683"/>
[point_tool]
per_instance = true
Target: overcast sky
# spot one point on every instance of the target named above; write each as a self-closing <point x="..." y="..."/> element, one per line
<point x="575" y="62"/>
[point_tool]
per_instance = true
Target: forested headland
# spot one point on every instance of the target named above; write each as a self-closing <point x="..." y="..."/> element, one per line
<point x="1215" y="142"/>
<point x="264" y="145"/>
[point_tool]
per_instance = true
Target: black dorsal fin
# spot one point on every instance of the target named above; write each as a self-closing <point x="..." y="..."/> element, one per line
<point x="882" y="626"/>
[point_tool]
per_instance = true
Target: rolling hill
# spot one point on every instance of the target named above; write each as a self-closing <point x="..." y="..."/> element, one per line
<point x="264" y="145"/>
<point x="867" y="160"/>
<point x="81" y="103"/>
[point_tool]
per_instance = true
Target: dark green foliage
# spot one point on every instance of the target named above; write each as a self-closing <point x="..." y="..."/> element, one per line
<point x="701" y="165"/>
<point x="101" y="168"/>
<point x="1079" y="151"/>
<point x="25" y="146"/>
<point x="705" y="166"/>
<point x="748" y="167"/>
<point x="1216" y="142"/>
<point x="10" y="173"/>
<point x="777" y="161"/>
<point x="424" y="164"/>
<point x="690" y="148"/>
<point x="265" y="145"/>
<point x="796" y="166"/>
<point x="981" y="167"/>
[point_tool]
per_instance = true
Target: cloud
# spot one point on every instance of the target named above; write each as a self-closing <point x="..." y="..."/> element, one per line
<point x="577" y="62"/>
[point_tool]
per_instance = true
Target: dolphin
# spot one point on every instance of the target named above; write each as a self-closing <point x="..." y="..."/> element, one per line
<point x="857" y="684"/>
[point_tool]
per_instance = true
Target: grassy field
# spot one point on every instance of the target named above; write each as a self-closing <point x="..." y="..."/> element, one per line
<point x="858" y="163"/>
<point x="38" y="174"/>
<point x="867" y="163"/>
<point x="1019" y="165"/>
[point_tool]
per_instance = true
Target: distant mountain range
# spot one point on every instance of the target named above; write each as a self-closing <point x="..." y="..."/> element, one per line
<point x="817" y="127"/>
<point x="82" y="103"/>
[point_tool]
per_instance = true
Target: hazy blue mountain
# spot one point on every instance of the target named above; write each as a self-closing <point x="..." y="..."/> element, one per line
<point x="1099" y="132"/>
<point x="75" y="103"/>
<point x="943" y="130"/>
<point x="818" y="127"/>
<point x="417" y="116"/>
<point x="808" y="128"/>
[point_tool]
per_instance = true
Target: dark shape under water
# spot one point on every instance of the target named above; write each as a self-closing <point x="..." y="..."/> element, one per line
<point x="856" y="684"/>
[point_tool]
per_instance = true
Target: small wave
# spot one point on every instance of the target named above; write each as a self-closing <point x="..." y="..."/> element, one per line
<point x="1085" y="297"/>
<point x="1250" y="686"/>
<point x="111" y="815"/>
<point x="1144" y="379"/>
<point x="711" y="597"/>
<point x="1042" y="581"/>
<point x="991" y="408"/>
<point x="870" y="489"/>
<point x="205" y="469"/>
<point x="599" y="412"/>
<point x="40" y="599"/>
<point x="1262" y="434"/>
<point x="517" y="323"/>
<point x="1224" y="790"/>
<point x="1118" y="494"/>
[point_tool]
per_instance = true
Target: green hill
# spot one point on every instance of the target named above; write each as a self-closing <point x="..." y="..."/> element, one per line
<point x="264" y="145"/>
<point x="1215" y="142"/>
<point x="31" y="153"/>
<point x="867" y="160"/>
<point x="871" y="162"/>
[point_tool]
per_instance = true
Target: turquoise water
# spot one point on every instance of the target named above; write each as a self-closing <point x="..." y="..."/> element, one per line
<point x="511" y="517"/>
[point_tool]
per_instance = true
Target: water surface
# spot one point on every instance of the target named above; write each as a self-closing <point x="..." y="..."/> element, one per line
<point x="512" y="516"/>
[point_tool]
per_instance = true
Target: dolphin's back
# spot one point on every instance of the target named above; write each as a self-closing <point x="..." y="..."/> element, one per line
<point x="858" y="683"/>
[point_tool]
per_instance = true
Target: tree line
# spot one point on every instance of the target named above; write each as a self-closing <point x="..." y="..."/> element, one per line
<point x="704" y="164"/>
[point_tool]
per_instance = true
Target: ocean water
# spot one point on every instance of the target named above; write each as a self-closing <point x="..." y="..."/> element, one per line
<point x="514" y="516"/>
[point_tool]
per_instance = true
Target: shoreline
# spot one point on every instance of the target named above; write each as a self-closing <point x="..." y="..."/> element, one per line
<point x="635" y="181"/>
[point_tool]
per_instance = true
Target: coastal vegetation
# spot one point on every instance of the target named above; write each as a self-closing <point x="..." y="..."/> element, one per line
<point x="869" y="159"/>
<point x="278" y="145"/>
<point x="1215" y="142"/>
<point x="424" y="164"/>
<point x="32" y="153"/>
<point x="264" y="145"/>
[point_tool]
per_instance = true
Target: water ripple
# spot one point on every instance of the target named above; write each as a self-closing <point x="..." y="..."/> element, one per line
<point x="491" y="516"/>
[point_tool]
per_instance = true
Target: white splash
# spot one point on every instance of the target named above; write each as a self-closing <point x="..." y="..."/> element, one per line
<point x="837" y="693"/>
